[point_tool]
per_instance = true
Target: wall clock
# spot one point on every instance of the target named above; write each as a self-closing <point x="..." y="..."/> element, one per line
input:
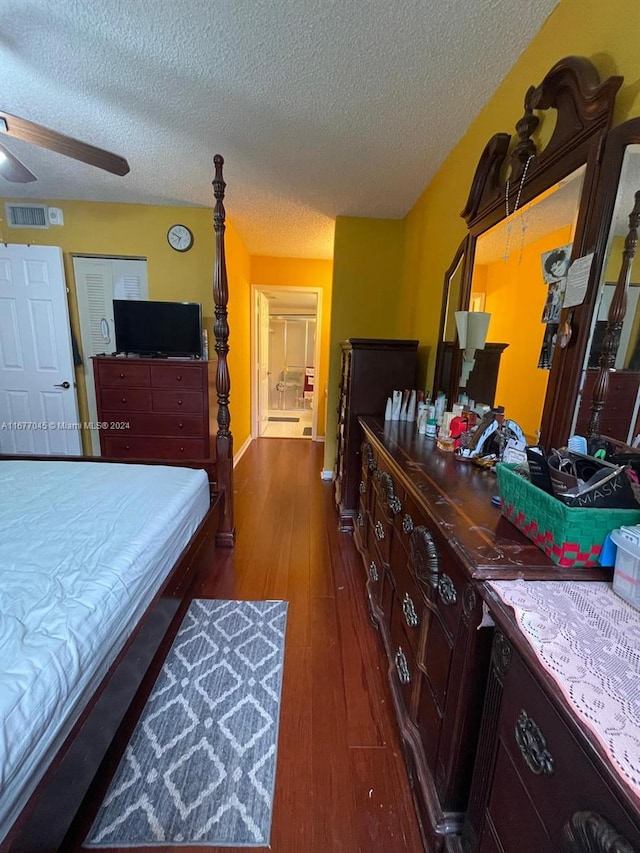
<point x="180" y="238"/>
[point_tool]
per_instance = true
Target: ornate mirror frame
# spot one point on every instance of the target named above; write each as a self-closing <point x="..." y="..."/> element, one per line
<point x="584" y="107"/>
<point x="609" y="194"/>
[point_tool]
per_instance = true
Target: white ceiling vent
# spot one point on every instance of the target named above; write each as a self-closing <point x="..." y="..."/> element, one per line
<point x="26" y="215"/>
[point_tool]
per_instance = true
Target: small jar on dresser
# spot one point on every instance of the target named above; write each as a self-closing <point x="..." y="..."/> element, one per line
<point x="371" y="369"/>
<point x="153" y="408"/>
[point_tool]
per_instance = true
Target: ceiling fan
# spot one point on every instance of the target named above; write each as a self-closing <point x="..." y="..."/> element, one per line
<point x="12" y="169"/>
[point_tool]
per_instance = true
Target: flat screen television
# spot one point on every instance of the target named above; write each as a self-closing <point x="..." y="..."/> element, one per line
<point x="158" y="329"/>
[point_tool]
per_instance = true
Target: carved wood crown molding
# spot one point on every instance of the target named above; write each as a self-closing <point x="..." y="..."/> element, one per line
<point x="584" y="107"/>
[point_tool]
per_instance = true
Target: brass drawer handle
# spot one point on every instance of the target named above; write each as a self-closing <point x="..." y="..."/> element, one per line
<point x="401" y="666"/>
<point x="424" y="556"/>
<point x="379" y="530"/>
<point x="407" y="524"/>
<point x="409" y="610"/>
<point x="447" y="590"/>
<point x="533" y="746"/>
<point x="373" y="572"/>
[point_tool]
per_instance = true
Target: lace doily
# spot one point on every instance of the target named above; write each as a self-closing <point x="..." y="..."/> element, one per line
<point x="588" y="639"/>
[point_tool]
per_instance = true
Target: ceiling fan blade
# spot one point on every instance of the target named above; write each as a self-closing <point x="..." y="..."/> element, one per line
<point x="12" y="169"/>
<point x="29" y="131"/>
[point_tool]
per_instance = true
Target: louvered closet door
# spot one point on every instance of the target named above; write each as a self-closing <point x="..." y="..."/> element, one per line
<point x="98" y="282"/>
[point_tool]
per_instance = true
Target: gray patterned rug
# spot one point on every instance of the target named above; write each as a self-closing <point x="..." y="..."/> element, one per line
<point x="200" y="766"/>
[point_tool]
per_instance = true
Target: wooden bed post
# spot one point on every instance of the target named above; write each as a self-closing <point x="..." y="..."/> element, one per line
<point x="224" y="439"/>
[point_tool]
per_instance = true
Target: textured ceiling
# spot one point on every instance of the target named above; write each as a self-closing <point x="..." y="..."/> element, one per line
<point x="320" y="107"/>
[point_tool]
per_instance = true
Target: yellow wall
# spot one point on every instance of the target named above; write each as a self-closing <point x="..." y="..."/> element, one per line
<point x="367" y="301"/>
<point x="140" y="231"/>
<point x="300" y="272"/>
<point x="604" y="32"/>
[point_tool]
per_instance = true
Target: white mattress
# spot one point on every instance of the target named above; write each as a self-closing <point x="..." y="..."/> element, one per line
<point x="84" y="547"/>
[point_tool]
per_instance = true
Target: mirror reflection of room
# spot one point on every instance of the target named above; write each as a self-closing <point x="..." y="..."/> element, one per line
<point x="523" y="295"/>
<point x="620" y="416"/>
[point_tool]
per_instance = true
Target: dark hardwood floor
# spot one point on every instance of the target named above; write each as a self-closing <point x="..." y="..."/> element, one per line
<point x="341" y="784"/>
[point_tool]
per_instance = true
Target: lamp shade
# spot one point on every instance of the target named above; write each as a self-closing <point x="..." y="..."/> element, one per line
<point x="477" y="328"/>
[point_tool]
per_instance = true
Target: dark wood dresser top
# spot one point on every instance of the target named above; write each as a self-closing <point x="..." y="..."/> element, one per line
<point x="457" y="496"/>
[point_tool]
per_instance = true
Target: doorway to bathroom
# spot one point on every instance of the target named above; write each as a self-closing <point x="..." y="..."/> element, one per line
<point x="285" y="343"/>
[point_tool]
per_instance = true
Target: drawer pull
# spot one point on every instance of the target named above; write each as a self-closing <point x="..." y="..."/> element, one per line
<point x="179" y="402"/>
<point x="424" y="556"/>
<point x="179" y="378"/>
<point x="122" y="376"/>
<point x="182" y="450"/>
<point x="373" y="572"/>
<point x="360" y="520"/>
<point x="362" y="487"/>
<point x="124" y="400"/>
<point x="379" y="529"/>
<point x="409" y="610"/>
<point x="401" y="665"/>
<point x="389" y="497"/>
<point x="587" y="831"/>
<point x="447" y="590"/>
<point x="407" y="524"/>
<point x="533" y="746"/>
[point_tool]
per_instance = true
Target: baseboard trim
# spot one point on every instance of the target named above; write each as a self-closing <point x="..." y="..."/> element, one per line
<point x="238" y="455"/>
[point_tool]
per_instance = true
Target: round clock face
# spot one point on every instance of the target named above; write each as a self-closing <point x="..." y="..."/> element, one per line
<point x="180" y="238"/>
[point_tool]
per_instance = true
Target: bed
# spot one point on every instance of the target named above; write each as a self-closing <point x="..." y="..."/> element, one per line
<point x="96" y="558"/>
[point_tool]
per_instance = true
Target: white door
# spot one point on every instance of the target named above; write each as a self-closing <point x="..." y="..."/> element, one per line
<point x="38" y="403"/>
<point x="264" y="375"/>
<point x="98" y="282"/>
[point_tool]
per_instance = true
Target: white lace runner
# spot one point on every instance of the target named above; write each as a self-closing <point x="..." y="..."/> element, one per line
<point x="588" y="639"/>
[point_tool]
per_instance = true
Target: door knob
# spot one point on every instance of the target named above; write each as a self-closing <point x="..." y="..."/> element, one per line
<point x="63" y="385"/>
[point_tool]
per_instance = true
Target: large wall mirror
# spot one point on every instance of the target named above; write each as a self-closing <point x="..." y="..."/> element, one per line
<point x="530" y="213"/>
<point x="619" y="417"/>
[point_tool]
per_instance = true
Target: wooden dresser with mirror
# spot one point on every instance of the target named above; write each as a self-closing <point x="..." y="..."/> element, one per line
<point x="427" y="532"/>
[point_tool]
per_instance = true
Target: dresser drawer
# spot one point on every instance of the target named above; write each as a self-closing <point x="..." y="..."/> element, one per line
<point x="123" y="400"/>
<point x="151" y="424"/>
<point x="137" y="447"/>
<point x="404" y="668"/>
<point x="167" y="375"/>
<point x="123" y="372"/>
<point x="177" y="401"/>
<point x="539" y="761"/>
<point x="408" y="593"/>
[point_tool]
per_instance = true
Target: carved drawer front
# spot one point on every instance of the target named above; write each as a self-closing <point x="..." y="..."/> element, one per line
<point x="408" y="593"/>
<point x="381" y="530"/>
<point x="437" y="659"/>
<point x="540" y="762"/>
<point x="137" y="447"/>
<point x="167" y="375"/>
<point x="429" y="721"/>
<point x="448" y="595"/>
<point x="402" y="656"/>
<point x="139" y="423"/>
<point x="123" y="372"/>
<point x="406" y="520"/>
<point x="177" y="401"/>
<point x="125" y="399"/>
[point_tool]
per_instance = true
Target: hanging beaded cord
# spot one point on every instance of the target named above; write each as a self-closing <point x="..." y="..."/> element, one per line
<point x="515" y="208"/>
